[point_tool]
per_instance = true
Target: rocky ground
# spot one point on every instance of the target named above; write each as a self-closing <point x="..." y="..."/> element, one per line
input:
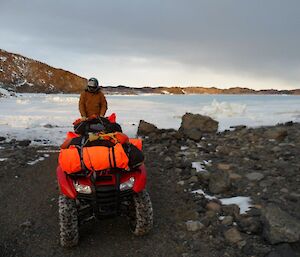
<point x="261" y="163"/>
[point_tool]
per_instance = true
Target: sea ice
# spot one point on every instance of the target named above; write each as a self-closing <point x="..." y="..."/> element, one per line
<point x="22" y="117"/>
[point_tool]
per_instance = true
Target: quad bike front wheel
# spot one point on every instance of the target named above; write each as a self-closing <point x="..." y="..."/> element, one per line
<point x="141" y="214"/>
<point x="68" y="222"/>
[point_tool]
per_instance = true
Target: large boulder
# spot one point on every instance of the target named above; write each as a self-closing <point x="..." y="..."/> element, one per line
<point x="146" y="128"/>
<point x="279" y="226"/>
<point x="195" y="125"/>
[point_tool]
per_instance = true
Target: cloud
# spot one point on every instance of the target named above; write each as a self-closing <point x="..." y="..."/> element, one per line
<point x="237" y="41"/>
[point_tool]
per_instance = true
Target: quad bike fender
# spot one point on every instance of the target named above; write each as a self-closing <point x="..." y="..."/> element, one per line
<point x="65" y="184"/>
<point x="140" y="180"/>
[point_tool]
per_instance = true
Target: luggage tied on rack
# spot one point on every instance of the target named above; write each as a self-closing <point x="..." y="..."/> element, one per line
<point x="94" y="158"/>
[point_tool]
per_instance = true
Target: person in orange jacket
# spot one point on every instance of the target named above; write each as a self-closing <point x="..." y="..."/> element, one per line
<point x="92" y="101"/>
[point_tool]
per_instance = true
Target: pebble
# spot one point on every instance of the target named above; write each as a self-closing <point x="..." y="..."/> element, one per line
<point x="192" y="225"/>
<point x="255" y="176"/>
<point x="284" y="190"/>
<point x="168" y="159"/>
<point x="26" y="224"/>
<point x="224" y="166"/>
<point x="227" y="221"/>
<point x="213" y="206"/>
<point x="233" y="236"/>
<point x="181" y="182"/>
<point x="193" y="179"/>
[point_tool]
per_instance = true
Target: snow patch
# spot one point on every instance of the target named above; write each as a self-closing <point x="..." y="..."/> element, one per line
<point x="199" y="166"/>
<point x="207" y="163"/>
<point x="3" y="159"/>
<point x="244" y="202"/>
<point x="201" y="192"/>
<point x="183" y="148"/>
<point x="41" y="158"/>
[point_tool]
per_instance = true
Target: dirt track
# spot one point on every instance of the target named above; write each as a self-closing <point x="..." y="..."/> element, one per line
<point x="29" y="217"/>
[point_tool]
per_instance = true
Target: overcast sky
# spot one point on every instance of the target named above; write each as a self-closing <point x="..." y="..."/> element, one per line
<point x="222" y="43"/>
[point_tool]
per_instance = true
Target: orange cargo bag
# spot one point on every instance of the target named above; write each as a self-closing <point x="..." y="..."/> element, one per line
<point x="102" y="157"/>
<point x="69" y="160"/>
<point x="136" y="142"/>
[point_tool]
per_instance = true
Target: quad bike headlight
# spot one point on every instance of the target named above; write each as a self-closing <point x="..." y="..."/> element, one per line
<point x="127" y="184"/>
<point x="83" y="189"/>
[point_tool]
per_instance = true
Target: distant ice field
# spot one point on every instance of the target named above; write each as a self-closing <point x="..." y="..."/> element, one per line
<point x="49" y="117"/>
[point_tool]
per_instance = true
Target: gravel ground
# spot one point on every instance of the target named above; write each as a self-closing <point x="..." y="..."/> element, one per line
<point x="29" y="213"/>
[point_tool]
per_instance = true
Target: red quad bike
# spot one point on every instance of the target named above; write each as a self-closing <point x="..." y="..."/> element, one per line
<point x="85" y="195"/>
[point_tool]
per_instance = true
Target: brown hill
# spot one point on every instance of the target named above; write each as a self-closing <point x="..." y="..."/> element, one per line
<point x="22" y="74"/>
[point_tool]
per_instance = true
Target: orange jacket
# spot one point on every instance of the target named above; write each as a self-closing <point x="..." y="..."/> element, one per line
<point x="92" y="103"/>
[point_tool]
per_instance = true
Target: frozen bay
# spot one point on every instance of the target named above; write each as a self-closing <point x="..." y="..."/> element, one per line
<point x="42" y="116"/>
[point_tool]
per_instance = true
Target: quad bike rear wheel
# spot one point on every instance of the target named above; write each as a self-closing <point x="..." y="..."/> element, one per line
<point x="68" y="222"/>
<point x="141" y="214"/>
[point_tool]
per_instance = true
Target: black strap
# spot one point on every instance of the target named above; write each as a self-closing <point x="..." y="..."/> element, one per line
<point x="110" y="164"/>
<point x="114" y="157"/>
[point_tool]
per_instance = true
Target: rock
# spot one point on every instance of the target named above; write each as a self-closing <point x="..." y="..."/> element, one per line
<point x="255" y="176"/>
<point x="283" y="250"/>
<point x="210" y="217"/>
<point x="234" y="176"/>
<point x="193" y="179"/>
<point x="180" y="183"/>
<point x="224" y="166"/>
<point x="284" y="190"/>
<point x="210" y="214"/>
<point x="276" y="149"/>
<point x="233" y="236"/>
<point x="238" y="127"/>
<point x="213" y="206"/>
<point x="168" y="159"/>
<point x="295" y="195"/>
<point x="219" y="182"/>
<point x="194" y="226"/>
<point x="250" y="225"/>
<point x="227" y="221"/>
<point x="222" y="150"/>
<point x="2" y="139"/>
<point x="194" y="125"/>
<point x="24" y="143"/>
<point x="26" y="224"/>
<point x="279" y="226"/>
<point x="194" y="134"/>
<point x="48" y="126"/>
<point x="278" y="134"/>
<point x="146" y="128"/>
<point x="231" y="210"/>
